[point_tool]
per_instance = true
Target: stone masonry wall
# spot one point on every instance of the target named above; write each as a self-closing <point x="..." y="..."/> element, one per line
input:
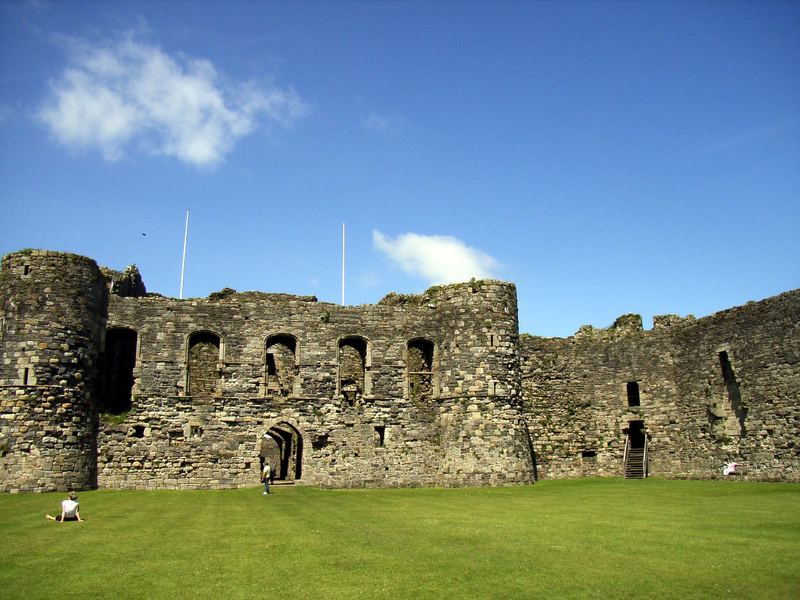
<point x="576" y="398"/>
<point x="469" y="433"/>
<point x="53" y="312"/>
<point x="417" y="390"/>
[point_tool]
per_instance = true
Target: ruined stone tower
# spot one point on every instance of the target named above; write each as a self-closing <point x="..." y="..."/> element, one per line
<point x="52" y="315"/>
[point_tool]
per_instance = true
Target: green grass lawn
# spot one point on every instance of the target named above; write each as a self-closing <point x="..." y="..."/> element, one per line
<point x="596" y="538"/>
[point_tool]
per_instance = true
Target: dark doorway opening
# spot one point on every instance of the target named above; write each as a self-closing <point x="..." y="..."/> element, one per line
<point x="636" y="434"/>
<point x="282" y="448"/>
<point x="118" y="362"/>
<point x="635" y="451"/>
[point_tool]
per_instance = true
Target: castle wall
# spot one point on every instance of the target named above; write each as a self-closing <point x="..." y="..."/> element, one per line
<point x="576" y="401"/>
<point x="762" y="343"/>
<point x="429" y="389"/>
<point x="467" y="432"/>
<point x="53" y="311"/>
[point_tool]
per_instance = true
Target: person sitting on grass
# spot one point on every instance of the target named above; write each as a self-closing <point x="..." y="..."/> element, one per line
<point x="69" y="510"/>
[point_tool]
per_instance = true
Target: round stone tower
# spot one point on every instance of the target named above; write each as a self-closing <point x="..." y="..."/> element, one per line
<point x="53" y="308"/>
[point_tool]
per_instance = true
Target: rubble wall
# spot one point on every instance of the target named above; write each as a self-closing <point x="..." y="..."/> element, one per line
<point x="53" y="314"/>
<point x="467" y="432"/>
<point x="576" y="400"/>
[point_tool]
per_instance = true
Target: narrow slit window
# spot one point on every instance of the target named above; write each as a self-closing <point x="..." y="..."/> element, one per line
<point x="633" y="394"/>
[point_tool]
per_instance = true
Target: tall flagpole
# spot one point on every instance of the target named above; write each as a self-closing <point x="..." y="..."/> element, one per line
<point x="343" y="247"/>
<point x="183" y="260"/>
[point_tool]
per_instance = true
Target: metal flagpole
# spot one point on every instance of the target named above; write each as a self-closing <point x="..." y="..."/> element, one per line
<point x="343" y="247"/>
<point x="183" y="260"/>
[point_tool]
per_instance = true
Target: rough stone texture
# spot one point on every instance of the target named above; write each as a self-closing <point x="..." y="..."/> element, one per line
<point x="430" y="389"/>
<point x="53" y="314"/>
<point x="203" y="394"/>
<point x="576" y="395"/>
<point x="125" y="283"/>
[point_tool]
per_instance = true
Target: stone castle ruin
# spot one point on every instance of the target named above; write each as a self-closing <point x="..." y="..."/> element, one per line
<point x="105" y="385"/>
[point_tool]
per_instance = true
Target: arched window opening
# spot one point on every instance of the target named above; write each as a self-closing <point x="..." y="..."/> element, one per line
<point x="352" y="368"/>
<point x="419" y="362"/>
<point x="118" y="362"/>
<point x="633" y="394"/>
<point x="203" y="373"/>
<point x="282" y="448"/>
<point x="281" y="365"/>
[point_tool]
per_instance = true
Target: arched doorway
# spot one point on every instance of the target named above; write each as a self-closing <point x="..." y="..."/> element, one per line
<point x="282" y="447"/>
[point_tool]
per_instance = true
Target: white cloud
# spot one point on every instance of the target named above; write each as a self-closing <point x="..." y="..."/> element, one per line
<point x="382" y="124"/>
<point x="375" y="122"/>
<point x="436" y="258"/>
<point x="5" y="112"/>
<point x="129" y="93"/>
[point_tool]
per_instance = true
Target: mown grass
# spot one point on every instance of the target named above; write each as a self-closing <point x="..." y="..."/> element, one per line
<point x="595" y="538"/>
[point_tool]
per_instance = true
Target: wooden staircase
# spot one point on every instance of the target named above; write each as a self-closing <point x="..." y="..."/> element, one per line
<point x="635" y="461"/>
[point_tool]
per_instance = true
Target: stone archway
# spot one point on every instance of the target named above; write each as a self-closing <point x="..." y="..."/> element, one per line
<point x="282" y="447"/>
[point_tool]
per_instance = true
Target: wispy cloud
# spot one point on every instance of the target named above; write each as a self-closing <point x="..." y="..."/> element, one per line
<point x="436" y="258"/>
<point x="5" y="112"/>
<point x="378" y="123"/>
<point x="124" y="94"/>
<point x="749" y="137"/>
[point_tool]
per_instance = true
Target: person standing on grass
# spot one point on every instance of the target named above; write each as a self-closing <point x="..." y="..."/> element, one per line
<point x="266" y="474"/>
<point x="69" y="510"/>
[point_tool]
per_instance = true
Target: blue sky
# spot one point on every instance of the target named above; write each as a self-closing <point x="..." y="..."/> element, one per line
<point x="606" y="157"/>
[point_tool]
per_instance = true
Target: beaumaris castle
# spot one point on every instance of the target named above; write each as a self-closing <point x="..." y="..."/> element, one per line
<point x="105" y="385"/>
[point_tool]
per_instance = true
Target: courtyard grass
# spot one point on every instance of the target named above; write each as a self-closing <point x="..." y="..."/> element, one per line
<point x="595" y="538"/>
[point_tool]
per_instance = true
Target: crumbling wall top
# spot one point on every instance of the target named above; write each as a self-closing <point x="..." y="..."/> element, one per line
<point x="127" y="283"/>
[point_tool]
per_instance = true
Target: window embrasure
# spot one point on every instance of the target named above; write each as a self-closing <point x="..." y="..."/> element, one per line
<point x="421" y="375"/>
